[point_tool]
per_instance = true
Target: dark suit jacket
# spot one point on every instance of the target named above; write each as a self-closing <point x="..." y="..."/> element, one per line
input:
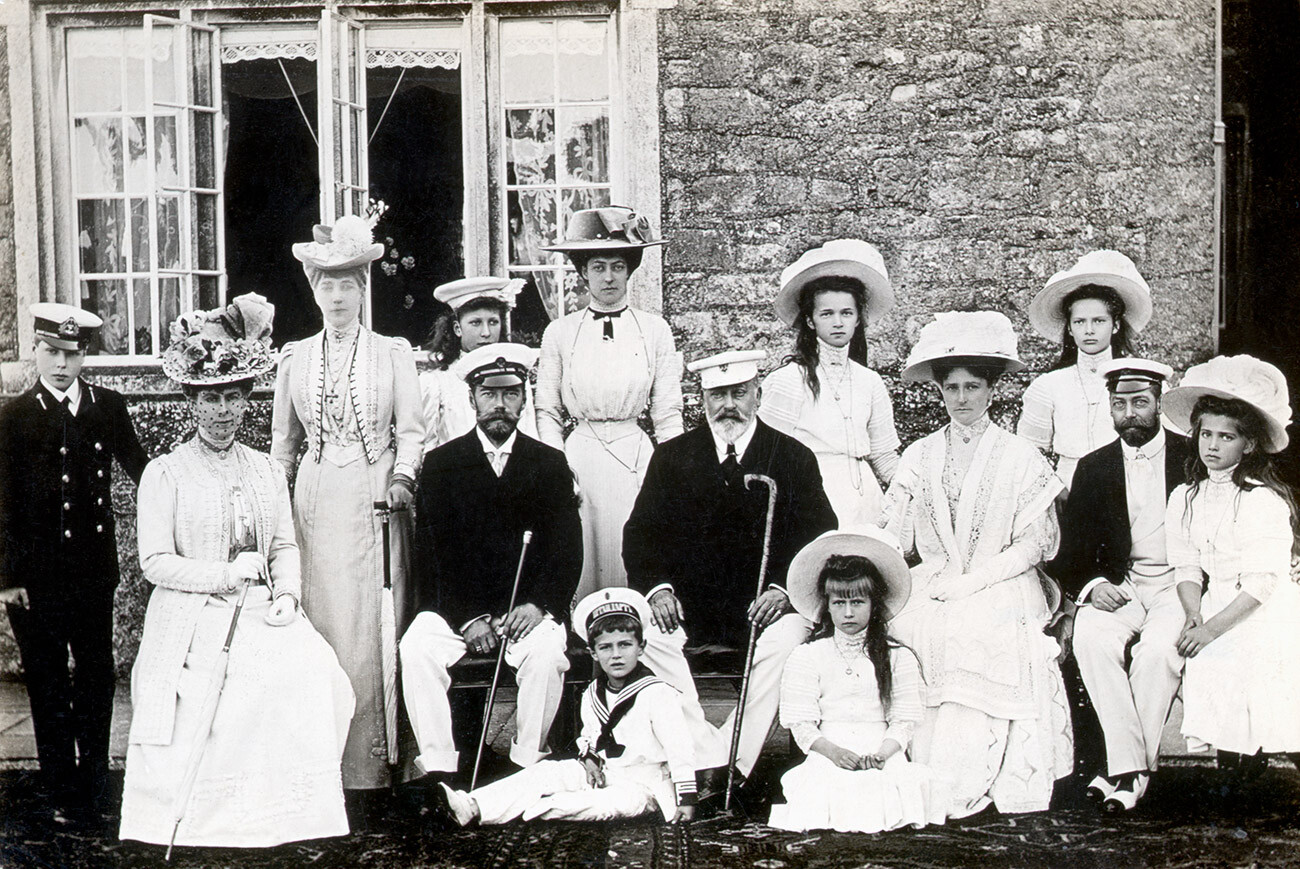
<point x="1095" y="533"/>
<point x="690" y="529"/>
<point x="56" y="474"/>
<point x="470" y="524"/>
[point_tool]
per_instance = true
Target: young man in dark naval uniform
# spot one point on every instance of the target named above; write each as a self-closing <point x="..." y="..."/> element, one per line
<point x="59" y="566"/>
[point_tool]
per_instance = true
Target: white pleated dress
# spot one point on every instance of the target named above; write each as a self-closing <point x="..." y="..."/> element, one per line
<point x="1067" y="412"/>
<point x="829" y="690"/>
<point x="1241" y="692"/>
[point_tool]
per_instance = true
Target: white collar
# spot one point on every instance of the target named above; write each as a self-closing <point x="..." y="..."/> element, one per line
<point x="1090" y="363"/>
<point x="492" y="449"/>
<point x="1149" y="450"/>
<point x="830" y="355"/>
<point x="1221" y="477"/>
<point x="73" y="394"/>
<point x="742" y="442"/>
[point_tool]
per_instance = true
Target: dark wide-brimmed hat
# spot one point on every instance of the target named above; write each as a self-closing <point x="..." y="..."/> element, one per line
<point x="847" y="257"/>
<point x="348" y="244"/>
<point x="222" y="346"/>
<point x="870" y="543"/>
<point x="612" y="229"/>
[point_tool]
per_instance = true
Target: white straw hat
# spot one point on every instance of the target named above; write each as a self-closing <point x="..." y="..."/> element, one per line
<point x="986" y="337"/>
<point x="848" y="257"/>
<point x="1107" y="268"/>
<point x="1243" y="377"/>
<point x="870" y="543"/>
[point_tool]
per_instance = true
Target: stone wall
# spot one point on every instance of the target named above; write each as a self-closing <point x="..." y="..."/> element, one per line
<point x="8" y="278"/>
<point x="981" y="144"/>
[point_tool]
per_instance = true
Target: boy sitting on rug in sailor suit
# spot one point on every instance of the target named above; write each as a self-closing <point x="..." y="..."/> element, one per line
<point x="635" y="752"/>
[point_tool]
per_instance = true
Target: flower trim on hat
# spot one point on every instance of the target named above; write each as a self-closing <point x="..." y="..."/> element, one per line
<point x="223" y="345"/>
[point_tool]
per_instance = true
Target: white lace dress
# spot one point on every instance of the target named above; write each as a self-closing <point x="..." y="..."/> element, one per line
<point x="829" y="690"/>
<point x="270" y="767"/>
<point x="1241" y="692"/>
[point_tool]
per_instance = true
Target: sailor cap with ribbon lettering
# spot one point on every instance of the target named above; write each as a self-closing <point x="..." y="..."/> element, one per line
<point x="609" y="602"/>
<point x="727" y="368"/>
<point x="1130" y="374"/>
<point x="460" y="293"/>
<point x="496" y="365"/>
<point x="64" y="326"/>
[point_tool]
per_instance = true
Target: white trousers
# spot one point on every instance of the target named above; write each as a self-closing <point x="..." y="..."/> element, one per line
<point x="664" y="655"/>
<point x="1132" y="706"/>
<point x="430" y="646"/>
<point x="558" y="790"/>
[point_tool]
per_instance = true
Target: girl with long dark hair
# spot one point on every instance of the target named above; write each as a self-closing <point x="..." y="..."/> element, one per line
<point x="824" y="395"/>
<point x="1092" y="310"/>
<point x="852" y="697"/>
<point x="1235" y="522"/>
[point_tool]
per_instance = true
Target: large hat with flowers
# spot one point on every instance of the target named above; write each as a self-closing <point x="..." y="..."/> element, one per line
<point x="226" y="345"/>
<point x="1106" y="268"/>
<point x="870" y="543"/>
<point x="1243" y="377"/>
<point x="848" y="257"/>
<point x="612" y="228"/>
<point x="348" y="244"/>
<point x="986" y="337"/>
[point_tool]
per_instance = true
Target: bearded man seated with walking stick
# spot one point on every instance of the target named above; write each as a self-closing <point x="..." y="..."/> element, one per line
<point x="695" y="543"/>
<point x="478" y="495"/>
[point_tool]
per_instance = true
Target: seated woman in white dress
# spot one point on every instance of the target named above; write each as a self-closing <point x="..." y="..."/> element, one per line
<point x="852" y="697"/>
<point x="824" y="395"/>
<point x="215" y="528"/>
<point x="1235" y="523"/>
<point x="976" y="504"/>
<point x="480" y="308"/>
<point x="1093" y="310"/>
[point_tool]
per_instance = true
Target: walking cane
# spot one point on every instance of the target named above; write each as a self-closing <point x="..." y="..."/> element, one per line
<point x="388" y="633"/>
<point x="753" y="631"/>
<point x="496" y="672"/>
<point x="206" y="714"/>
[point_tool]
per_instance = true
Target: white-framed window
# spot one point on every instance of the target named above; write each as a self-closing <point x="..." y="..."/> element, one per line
<point x="188" y="151"/>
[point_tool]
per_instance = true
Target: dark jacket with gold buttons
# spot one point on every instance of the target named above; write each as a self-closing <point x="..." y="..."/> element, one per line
<point x="56" y="502"/>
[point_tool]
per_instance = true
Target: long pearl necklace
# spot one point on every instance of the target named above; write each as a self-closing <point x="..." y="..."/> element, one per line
<point x="334" y="404"/>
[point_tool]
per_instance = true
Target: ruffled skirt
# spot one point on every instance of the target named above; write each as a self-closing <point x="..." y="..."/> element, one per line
<point x="821" y="796"/>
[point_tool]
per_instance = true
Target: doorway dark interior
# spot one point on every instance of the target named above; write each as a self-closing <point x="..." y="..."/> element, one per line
<point x="272" y="186"/>
<point x="416" y="170"/>
<point x="1261" y="229"/>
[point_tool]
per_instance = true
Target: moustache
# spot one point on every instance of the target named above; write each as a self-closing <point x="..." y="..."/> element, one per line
<point x="729" y="414"/>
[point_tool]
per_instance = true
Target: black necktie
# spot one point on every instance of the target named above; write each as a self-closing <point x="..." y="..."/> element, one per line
<point x="609" y="317"/>
<point x="731" y="467"/>
<point x="67" y="405"/>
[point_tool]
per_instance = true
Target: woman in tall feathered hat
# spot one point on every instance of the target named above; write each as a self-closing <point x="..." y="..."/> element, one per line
<point x="1231" y="533"/>
<point x="214" y="518"/>
<point x="348" y="400"/>
<point x="1093" y="310"/>
<point x="603" y="366"/>
<point x="976" y="503"/>
<point x="824" y="395"/>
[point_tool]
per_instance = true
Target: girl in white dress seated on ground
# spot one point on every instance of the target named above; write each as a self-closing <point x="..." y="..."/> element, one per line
<point x="824" y="395"/>
<point x="635" y="754"/>
<point x="479" y="310"/>
<point x="851" y="698"/>
<point x="214" y="517"/>
<point x="1235" y="523"/>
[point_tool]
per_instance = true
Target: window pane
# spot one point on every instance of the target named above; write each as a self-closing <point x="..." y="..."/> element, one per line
<point x="204" y="151"/>
<point x="164" y="65"/>
<point x="169" y="303"/>
<point x="209" y="286"/>
<point x="584" y="61"/>
<point x="528" y="61"/>
<point x="576" y="296"/>
<point x="530" y="145"/>
<point x="205" y="230"/>
<point x="532" y="227"/>
<point x="134" y="61"/>
<point x="544" y="284"/>
<point x="164" y="142"/>
<point x="137" y="156"/>
<point x="108" y="300"/>
<point x="97" y="154"/>
<point x="100" y="235"/>
<point x="143" y="318"/>
<point x="140" y="261"/>
<point x="201" y="69"/>
<point x="95" y="70"/>
<point x="584" y="144"/>
<point x="169" y="233"/>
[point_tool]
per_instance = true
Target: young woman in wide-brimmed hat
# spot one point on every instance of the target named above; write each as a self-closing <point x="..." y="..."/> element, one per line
<point x="976" y="503"/>
<point x="214" y="515"/>
<point x="603" y="367"/>
<point x="351" y="398"/>
<point x="1093" y="310"/>
<point x="824" y="395"/>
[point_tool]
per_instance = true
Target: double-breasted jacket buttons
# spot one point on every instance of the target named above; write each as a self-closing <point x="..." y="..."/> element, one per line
<point x="98" y="446"/>
<point x="67" y="534"/>
<point x="67" y="479"/>
<point x="99" y="528"/>
<point x="63" y="451"/>
<point x="67" y="505"/>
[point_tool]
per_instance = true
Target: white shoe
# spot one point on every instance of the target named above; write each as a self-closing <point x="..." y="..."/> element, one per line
<point x="1100" y="789"/>
<point x="1123" y="800"/>
<point x="461" y="805"/>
